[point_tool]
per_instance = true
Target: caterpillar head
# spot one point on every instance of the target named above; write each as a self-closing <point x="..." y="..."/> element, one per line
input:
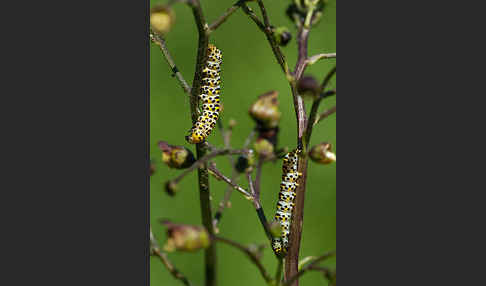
<point x="195" y="137"/>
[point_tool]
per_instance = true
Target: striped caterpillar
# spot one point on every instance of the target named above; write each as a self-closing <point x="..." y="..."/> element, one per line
<point x="209" y="94"/>
<point x="285" y="203"/>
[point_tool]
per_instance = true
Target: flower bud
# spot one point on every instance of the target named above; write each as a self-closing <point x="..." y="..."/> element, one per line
<point x="263" y="147"/>
<point x="184" y="237"/>
<point x="308" y="86"/>
<point x="275" y="229"/>
<point x="322" y="153"/>
<point x="265" y="110"/>
<point x="245" y="163"/>
<point x="162" y="19"/>
<point x="232" y="123"/>
<point x="171" y="188"/>
<point x="177" y="157"/>
<point x="282" y="36"/>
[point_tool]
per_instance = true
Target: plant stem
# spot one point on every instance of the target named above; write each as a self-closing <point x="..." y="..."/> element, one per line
<point x="225" y="16"/>
<point x="210" y="256"/>
<point x="160" y="41"/>
<point x="201" y="162"/>
<point x="165" y="260"/>
<point x="250" y="255"/>
<point x="295" y="277"/>
<point x="219" y="175"/>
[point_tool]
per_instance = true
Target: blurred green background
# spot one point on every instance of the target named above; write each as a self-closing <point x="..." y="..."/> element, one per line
<point x="249" y="69"/>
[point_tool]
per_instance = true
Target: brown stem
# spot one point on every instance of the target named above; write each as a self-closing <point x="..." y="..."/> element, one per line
<point x="315" y="107"/>
<point x="258" y="207"/>
<point x="292" y="258"/>
<point x="165" y="260"/>
<point x="278" y="275"/>
<point x="219" y="175"/>
<point x="251" y="254"/>
<point x="325" y="114"/>
<point x="265" y="28"/>
<point x="225" y="16"/>
<point x="160" y="41"/>
<point x="201" y="162"/>
<point x="210" y="256"/>
<point x="295" y="277"/>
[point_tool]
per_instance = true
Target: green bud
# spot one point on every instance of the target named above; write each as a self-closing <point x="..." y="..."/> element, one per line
<point x="244" y="163"/>
<point x="282" y="36"/>
<point x="263" y="147"/>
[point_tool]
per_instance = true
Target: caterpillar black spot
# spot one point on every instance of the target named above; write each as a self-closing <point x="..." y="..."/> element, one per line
<point x="209" y="95"/>
<point x="286" y="199"/>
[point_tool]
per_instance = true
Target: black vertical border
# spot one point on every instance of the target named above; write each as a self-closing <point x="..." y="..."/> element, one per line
<point x="147" y="143"/>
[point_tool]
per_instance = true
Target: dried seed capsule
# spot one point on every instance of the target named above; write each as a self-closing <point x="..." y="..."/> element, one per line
<point x="308" y="86"/>
<point x="184" y="237"/>
<point x="322" y="153"/>
<point x="178" y="157"/>
<point x="265" y="110"/>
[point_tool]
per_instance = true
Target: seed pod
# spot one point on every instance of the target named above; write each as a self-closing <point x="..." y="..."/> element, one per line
<point x="162" y="19"/>
<point x="265" y="110"/>
<point x="282" y="36"/>
<point x="184" y="237"/>
<point x="178" y="157"/>
<point x="308" y="86"/>
<point x="322" y="153"/>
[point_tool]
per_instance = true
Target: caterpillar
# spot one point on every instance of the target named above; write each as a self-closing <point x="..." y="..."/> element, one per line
<point x="285" y="202"/>
<point x="209" y="94"/>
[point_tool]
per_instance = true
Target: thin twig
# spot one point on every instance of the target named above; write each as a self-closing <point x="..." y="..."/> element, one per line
<point x="315" y="107"/>
<point x="258" y="207"/>
<point x="199" y="164"/>
<point x="160" y="41"/>
<point x="234" y="177"/>
<point x="325" y="114"/>
<point x="220" y="176"/>
<point x="253" y="257"/>
<point x="307" y="267"/>
<point x="155" y="249"/>
<point x="268" y="32"/>
<point x="225" y="16"/>
<point x="312" y="60"/>
<point x="258" y="176"/>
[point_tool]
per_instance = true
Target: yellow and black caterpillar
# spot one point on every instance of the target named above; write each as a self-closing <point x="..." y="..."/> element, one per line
<point x="286" y="199"/>
<point x="209" y="94"/>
